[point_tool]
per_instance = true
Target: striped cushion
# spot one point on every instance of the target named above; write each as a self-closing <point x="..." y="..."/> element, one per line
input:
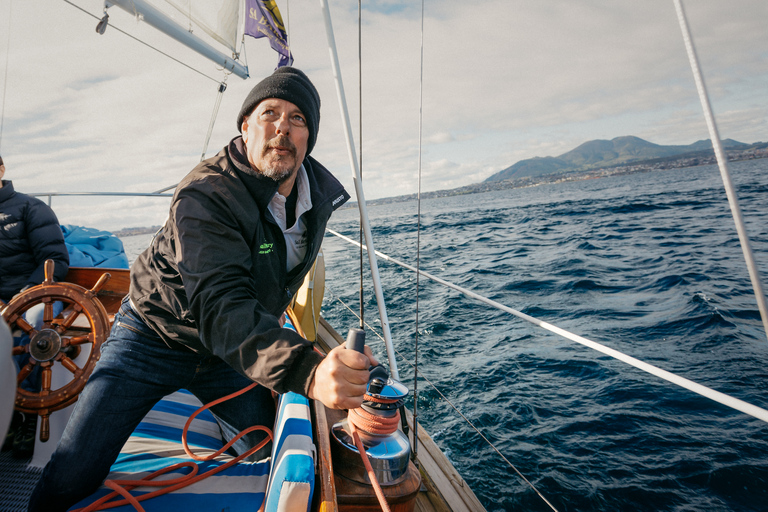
<point x="156" y="444"/>
<point x="292" y="475"/>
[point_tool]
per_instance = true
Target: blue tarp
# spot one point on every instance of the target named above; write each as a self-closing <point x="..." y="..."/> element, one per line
<point x="90" y="247"/>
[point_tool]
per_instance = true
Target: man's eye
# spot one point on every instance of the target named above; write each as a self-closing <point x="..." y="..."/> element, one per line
<point x="299" y="120"/>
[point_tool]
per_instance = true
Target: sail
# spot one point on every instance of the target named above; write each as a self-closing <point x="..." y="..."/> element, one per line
<point x="220" y="19"/>
<point x="183" y="20"/>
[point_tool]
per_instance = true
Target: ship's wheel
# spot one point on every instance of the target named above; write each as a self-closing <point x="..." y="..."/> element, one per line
<point x="82" y="324"/>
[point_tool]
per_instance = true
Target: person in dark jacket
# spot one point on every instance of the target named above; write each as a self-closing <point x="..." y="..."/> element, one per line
<point x="206" y="298"/>
<point x="29" y="234"/>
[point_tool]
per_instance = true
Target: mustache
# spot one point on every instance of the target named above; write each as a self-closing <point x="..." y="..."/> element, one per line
<point x="280" y="141"/>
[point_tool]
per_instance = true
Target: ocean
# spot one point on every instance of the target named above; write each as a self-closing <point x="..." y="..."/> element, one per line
<point x="648" y="264"/>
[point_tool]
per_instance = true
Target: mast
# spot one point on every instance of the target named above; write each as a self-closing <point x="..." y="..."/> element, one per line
<point x="359" y="192"/>
<point x="166" y="25"/>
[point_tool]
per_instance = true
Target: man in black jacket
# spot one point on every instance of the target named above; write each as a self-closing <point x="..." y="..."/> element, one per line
<point x="206" y="297"/>
<point x="29" y="234"/>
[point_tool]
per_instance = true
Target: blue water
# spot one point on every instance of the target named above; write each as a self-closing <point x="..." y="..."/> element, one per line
<point x="648" y="264"/>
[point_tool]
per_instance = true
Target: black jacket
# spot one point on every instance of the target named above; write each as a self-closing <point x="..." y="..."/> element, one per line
<point x="214" y="278"/>
<point x="29" y="234"/>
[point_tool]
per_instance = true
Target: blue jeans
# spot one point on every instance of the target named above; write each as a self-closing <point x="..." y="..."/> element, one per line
<point x="135" y="371"/>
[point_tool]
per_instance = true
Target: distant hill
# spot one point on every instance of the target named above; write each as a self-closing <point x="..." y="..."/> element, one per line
<point x="604" y="153"/>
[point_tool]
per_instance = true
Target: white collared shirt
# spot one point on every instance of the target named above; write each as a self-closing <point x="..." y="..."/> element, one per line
<point x="296" y="235"/>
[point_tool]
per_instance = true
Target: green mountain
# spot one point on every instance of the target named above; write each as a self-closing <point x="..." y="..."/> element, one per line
<point x="596" y="154"/>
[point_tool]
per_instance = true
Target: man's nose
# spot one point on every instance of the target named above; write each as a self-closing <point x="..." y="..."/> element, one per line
<point x="282" y="125"/>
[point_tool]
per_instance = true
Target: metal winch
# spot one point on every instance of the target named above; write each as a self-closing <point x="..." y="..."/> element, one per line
<point x="376" y="422"/>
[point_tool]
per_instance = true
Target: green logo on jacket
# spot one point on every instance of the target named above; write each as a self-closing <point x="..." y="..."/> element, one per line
<point x="265" y="248"/>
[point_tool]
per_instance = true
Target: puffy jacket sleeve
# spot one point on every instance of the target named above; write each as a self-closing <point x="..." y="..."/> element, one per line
<point x="46" y="241"/>
<point x="214" y="261"/>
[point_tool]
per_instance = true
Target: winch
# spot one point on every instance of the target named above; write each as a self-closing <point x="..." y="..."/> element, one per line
<point x="376" y="422"/>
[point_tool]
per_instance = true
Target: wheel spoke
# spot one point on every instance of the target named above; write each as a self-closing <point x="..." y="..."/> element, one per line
<point x="24" y="372"/>
<point x="45" y="387"/>
<point x="48" y="313"/>
<point x="79" y="340"/>
<point x="76" y="310"/>
<point x="69" y="364"/>
<point x="20" y="350"/>
<point x="24" y="326"/>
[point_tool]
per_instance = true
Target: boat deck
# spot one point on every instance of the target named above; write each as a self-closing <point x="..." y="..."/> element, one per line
<point x="17" y="480"/>
<point x="442" y="488"/>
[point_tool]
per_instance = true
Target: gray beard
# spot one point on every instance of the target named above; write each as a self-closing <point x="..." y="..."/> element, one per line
<point x="277" y="174"/>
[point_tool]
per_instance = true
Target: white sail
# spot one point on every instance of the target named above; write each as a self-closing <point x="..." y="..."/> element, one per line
<point x="220" y="19"/>
<point x="180" y="22"/>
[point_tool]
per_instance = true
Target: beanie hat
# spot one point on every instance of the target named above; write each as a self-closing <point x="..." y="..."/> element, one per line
<point x="289" y="84"/>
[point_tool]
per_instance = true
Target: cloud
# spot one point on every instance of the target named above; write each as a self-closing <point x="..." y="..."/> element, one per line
<point x="501" y="80"/>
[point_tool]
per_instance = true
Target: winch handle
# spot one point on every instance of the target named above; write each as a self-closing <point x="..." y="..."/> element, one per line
<point x="356" y="340"/>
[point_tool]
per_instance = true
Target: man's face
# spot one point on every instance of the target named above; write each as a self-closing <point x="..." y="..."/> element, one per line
<point x="2" y="171"/>
<point x="275" y="136"/>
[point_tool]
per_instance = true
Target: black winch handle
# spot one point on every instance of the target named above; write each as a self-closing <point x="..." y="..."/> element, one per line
<point x="356" y="340"/>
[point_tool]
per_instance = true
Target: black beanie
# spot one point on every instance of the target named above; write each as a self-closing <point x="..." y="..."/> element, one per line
<point x="289" y="84"/>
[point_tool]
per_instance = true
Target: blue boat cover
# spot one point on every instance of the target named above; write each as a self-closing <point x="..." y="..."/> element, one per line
<point x="90" y="247"/>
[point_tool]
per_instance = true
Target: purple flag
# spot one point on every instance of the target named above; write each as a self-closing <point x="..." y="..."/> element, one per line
<point x="263" y="20"/>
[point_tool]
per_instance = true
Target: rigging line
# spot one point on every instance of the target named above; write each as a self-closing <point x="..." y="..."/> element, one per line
<point x="360" y="129"/>
<point x="5" y="78"/>
<point x="722" y="163"/>
<point x="415" y="441"/>
<point x="448" y="401"/>
<point x="214" y="114"/>
<point x="145" y="44"/>
<point x="722" y="398"/>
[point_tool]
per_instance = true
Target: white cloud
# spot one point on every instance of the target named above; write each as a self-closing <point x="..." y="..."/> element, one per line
<point x="503" y="80"/>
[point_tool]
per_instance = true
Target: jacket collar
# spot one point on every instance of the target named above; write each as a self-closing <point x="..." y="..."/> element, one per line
<point x="324" y="189"/>
<point x="7" y="191"/>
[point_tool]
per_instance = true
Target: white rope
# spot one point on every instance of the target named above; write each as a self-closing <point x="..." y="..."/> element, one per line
<point x="722" y="163"/>
<point x="721" y="398"/>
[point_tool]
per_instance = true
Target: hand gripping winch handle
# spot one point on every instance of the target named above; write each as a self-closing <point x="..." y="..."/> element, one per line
<point x="356" y="340"/>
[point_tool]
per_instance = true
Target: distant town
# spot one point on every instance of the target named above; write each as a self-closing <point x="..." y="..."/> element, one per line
<point x="753" y="152"/>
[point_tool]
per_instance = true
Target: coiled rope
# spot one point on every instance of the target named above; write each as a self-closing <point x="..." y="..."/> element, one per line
<point x="123" y="487"/>
<point x="360" y="419"/>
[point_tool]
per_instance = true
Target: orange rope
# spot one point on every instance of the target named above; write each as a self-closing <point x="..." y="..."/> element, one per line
<point x="372" y="423"/>
<point x="375" y="424"/>
<point x="122" y="487"/>
<point x="369" y="469"/>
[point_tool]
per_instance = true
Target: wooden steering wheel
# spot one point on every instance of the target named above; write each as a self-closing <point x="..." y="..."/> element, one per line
<point x="59" y="339"/>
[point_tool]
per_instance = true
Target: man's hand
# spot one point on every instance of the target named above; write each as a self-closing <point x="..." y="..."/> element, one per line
<point x="341" y="379"/>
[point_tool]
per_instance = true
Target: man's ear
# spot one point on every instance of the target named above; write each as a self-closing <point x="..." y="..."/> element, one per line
<point x="244" y="129"/>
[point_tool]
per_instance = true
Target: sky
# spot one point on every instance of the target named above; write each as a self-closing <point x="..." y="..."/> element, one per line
<point x="501" y="81"/>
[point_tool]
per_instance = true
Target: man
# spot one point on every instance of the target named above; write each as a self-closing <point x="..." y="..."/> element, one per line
<point x="29" y="234"/>
<point x="206" y="297"/>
